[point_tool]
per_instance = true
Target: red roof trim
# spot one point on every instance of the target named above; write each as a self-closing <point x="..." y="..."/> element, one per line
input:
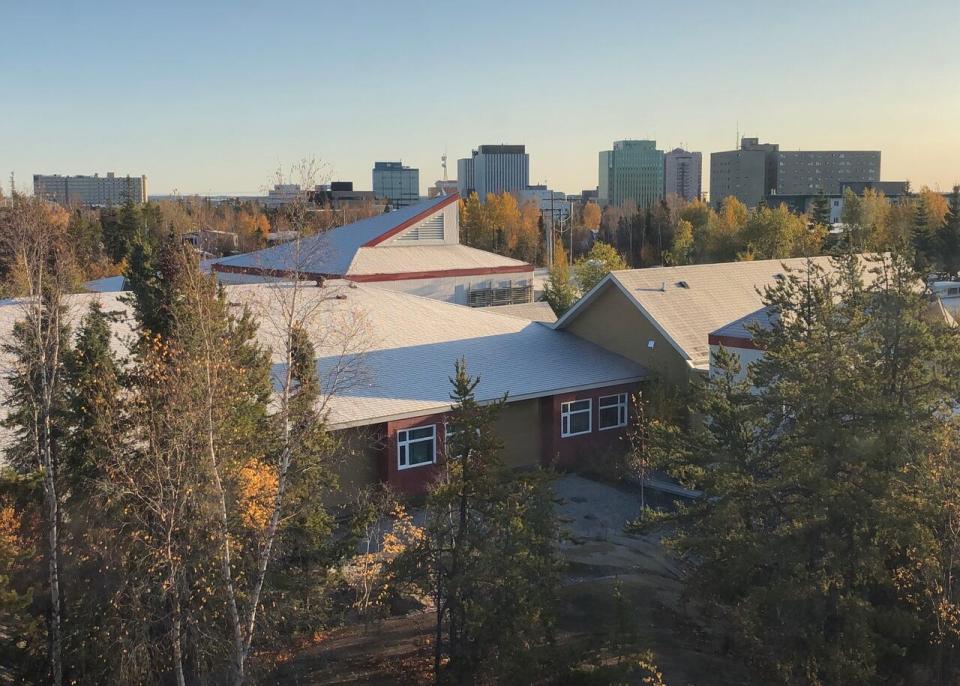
<point x="278" y="273"/>
<point x="732" y="342"/>
<point x="439" y="273"/>
<point x="452" y="198"/>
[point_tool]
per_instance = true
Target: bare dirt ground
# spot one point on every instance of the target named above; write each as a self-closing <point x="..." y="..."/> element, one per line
<point x="599" y="556"/>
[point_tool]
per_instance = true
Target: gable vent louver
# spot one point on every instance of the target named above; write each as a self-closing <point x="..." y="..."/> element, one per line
<point x="430" y="229"/>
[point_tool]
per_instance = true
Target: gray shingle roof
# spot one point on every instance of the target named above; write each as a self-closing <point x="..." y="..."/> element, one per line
<point x="743" y="327"/>
<point x="538" y="311"/>
<point x="382" y="354"/>
<point x="687" y="303"/>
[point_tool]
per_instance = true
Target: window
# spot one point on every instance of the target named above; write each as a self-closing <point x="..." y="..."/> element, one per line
<point x="416" y="447"/>
<point x="575" y="417"/>
<point x="613" y="411"/>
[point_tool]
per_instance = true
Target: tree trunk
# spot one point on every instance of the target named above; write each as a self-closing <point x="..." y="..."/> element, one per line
<point x="53" y="568"/>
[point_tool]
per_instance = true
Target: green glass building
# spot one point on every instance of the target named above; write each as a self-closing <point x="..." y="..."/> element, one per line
<point x="633" y="170"/>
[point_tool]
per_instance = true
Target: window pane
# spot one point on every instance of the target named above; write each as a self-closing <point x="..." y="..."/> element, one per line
<point x="609" y="417"/>
<point x="403" y="455"/>
<point x="425" y="432"/>
<point x="580" y="405"/>
<point x="579" y="422"/>
<point x="421" y="452"/>
<point x="613" y="400"/>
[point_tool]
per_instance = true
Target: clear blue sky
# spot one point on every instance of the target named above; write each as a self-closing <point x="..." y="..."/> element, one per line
<point x="212" y="96"/>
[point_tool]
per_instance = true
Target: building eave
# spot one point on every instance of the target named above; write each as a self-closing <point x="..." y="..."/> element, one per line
<point x="441" y="273"/>
<point x="440" y="408"/>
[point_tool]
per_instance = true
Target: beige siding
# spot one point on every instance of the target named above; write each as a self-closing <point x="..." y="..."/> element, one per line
<point x="518" y="426"/>
<point x="613" y="322"/>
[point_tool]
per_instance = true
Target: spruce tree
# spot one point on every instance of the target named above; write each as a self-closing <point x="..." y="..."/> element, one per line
<point x="820" y="209"/>
<point x="949" y="237"/>
<point x="809" y="539"/>
<point x="92" y="404"/>
<point x="922" y="237"/>
<point x="120" y="229"/>
<point x="488" y="556"/>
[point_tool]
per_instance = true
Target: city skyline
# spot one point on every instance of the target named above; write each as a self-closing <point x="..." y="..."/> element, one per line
<point x="190" y="105"/>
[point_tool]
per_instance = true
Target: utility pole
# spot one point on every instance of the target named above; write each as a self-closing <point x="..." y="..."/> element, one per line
<point x="550" y="238"/>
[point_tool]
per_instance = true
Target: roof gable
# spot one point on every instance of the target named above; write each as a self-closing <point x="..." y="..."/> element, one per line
<point x="331" y="253"/>
<point x="687" y="303"/>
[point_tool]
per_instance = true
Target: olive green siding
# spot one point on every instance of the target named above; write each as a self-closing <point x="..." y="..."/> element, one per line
<point x="518" y="427"/>
<point x="359" y="460"/>
<point x="613" y="322"/>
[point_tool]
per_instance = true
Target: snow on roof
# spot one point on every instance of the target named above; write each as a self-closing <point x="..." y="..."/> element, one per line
<point x="383" y="355"/>
<point x="332" y="252"/>
<point x="687" y="303"/>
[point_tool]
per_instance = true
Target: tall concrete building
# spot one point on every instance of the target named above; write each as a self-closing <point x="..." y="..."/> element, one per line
<point x="494" y="169"/>
<point x="465" y="182"/>
<point x="748" y="174"/>
<point x="805" y="171"/>
<point x="398" y="184"/>
<point x="93" y="190"/>
<point x="633" y="170"/>
<point x="682" y="174"/>
<point x="758" y="170"/>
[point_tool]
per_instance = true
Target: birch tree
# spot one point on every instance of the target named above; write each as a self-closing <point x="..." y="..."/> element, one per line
<point x="41" y="270"/>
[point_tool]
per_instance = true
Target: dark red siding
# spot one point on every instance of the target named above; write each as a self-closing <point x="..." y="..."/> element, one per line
<point x="576" y="452"/>
<point x="414" y="479"/>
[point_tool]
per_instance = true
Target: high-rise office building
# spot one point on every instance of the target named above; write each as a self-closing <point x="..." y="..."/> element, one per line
<point x="632" y="171"/>
<point x="465" y="184"/>
<point x="758" y="170"/>
<point x="398" y="184"/>
<point x="494" y="169"/>
<point x="682" y="172"/>
<point x="810" y="171"/>
<point x="93" y="190"/>
<point x="748" y="174"/>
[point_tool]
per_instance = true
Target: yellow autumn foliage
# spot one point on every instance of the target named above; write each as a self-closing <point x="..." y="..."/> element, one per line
<point x="257" y="489"/>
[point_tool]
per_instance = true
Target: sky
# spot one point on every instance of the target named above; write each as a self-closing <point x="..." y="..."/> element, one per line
<point x="212" y="97"/>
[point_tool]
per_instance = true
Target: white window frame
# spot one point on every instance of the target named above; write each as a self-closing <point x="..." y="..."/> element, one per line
<point x="403" y="443"/>
<point x="566" y="413"/>
<point x="623" y="410"/>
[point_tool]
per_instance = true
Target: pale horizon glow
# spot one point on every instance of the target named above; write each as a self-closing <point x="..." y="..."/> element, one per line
<point x="212" y="97"/>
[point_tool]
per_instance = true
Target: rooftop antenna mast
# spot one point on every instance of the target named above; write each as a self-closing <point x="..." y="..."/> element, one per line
<point x="443" y="163"/>
<point x="736" y="145"/>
